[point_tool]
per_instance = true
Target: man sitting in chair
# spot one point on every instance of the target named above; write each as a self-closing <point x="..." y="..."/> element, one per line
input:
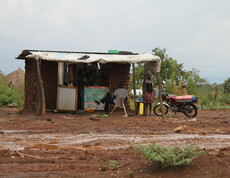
<point x="115" y="98"/>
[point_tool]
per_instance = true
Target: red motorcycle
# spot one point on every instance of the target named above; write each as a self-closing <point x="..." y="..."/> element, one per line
<point x="187" y="104"/>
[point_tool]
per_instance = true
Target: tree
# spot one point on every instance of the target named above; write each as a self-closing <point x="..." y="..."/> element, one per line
<point x="173" y="88"/>
<point x="194" y="73"/>
<point x="173" y="74"/>
<point x="227" y="86"/>
<point x="139" y="76"/>
<point x="169" y="67"/>
<point x="191" y="86"/>
<point x="183" y="88"/>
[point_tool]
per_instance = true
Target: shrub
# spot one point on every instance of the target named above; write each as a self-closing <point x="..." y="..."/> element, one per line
<point x="205" y="102"/>
<point x="114" y="164"/>
<point x="8" y="95"/>
<point x="103" y="165"/>
<point x="130" y="173"/>
<point x="227" y="85"/>
<point x="225" y="99"/>
<point x="170" y="156"/>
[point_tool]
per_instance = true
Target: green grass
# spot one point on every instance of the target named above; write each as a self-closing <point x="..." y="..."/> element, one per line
<point x="132" y="104"/>
<point x="218" y="107"/>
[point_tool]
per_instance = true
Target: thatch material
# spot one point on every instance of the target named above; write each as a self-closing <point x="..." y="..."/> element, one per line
<point x="16" y="79"/>
<point x="2" y="78"/>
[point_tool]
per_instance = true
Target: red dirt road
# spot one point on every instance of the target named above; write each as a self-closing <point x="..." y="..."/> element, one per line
<point x="69" y="145"/>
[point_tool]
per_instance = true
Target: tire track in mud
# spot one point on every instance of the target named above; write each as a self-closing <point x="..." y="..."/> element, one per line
<point x="18" y="141"/>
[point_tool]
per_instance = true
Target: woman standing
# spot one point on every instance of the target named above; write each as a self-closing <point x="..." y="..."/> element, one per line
<point x="149" y="91"/>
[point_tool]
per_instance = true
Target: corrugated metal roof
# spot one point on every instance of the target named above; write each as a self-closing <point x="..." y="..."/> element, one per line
<point x="28" y="51"/>
<point x="154" y="62"/>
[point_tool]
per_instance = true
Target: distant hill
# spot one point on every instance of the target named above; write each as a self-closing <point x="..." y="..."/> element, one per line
<point x="16" y="79"/>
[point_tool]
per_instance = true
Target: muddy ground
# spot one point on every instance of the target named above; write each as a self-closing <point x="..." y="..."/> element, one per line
<point x="73" y="145"/>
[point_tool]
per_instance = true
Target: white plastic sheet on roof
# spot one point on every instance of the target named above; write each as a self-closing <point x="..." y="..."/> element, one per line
<point x="154" y="62"/>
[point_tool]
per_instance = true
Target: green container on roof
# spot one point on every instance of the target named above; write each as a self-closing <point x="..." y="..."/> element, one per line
<point x="113" y="51"/>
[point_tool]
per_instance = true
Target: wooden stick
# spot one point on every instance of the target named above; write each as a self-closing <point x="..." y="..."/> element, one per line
<point x="134" y="85"/>
<point x="144" y="92"/>
<point x="38" y="99"/>
<point x="58" y="84"/>
<point x="215" y="97"/>
<point x="76" y="92"/>
<point x="43" y="101"/>
<point x="113" y="109"/>
<point x="23" y="155"/>
<point x="123" y="104"/>
<point x="160" y="92"/>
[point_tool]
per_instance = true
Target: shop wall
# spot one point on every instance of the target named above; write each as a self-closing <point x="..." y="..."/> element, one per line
<point x="30" y="85"/>
<point x="49" y="76"/>
<point x="49" y="72"/>
<point x="120" y="72"/>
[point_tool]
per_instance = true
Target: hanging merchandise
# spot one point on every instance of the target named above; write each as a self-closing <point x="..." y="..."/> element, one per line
<point x="98" y="66"/>
<point x="66" y="76"/>
<point x="71" y="75"/>
<point x="75" y="74"/>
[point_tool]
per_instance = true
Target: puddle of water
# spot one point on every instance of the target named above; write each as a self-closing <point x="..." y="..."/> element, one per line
<point x="43" y="146"/>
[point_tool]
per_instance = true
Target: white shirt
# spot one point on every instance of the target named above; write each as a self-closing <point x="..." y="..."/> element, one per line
<point x="120" y="93"/>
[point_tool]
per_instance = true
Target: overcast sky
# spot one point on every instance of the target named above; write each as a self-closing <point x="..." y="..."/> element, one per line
<point x="194" y="32"/>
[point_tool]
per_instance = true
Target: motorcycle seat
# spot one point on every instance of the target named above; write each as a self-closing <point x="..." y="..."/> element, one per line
<point x="184" y="98"/>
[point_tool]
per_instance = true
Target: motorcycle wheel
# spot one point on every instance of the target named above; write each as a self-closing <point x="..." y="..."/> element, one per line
<point x="157" y="110"/>
<point x="190" y="110"/>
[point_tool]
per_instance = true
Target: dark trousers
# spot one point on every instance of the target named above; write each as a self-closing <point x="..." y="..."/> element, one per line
<point x="107" y="100"/>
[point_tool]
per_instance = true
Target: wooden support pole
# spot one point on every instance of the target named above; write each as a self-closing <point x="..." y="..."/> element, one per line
<point x="38" y="99"/>
<point x="42" y="91"/>
<point x="144" y="93"/>
<point x="215" y="96"/>
<point x="160" y="93"/>
<point x="134" y="86"/>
